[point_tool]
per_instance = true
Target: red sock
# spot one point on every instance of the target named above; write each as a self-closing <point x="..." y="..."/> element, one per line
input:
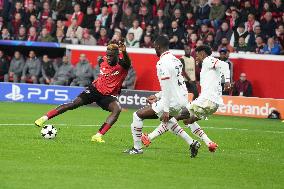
<point x="104" y="128"/>
<point x="52" y="113"/>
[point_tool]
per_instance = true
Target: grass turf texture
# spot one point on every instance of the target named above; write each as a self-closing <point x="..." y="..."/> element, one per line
<point x="252" y="158"/>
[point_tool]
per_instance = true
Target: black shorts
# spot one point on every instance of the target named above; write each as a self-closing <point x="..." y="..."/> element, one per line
<point x="91" y="94"/>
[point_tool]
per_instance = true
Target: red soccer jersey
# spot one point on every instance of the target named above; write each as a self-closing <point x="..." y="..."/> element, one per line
<point x="110" y="79"/>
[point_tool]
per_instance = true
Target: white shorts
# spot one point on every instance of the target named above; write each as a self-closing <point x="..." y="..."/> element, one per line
<point x="202" y="108"/>
<point x="158" y="107"/>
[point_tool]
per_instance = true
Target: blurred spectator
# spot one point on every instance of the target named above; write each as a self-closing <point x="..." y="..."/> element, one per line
<point x="21" y="36"/>
<point x="185" y="7"/>
<point x="97" y="29"/>
<point x="75" y="29"/>
<point x="178" y="17"/>
<point x="32" y="34"/>
<point x="59" y="8"/>
<point x="268" y="25"/>
<point x="61" y="26"/>
<point x="242" y="87"/>
<point x="128" y="17"/>
<point x="130" y="80"/>
<point x="253" y="35"/>
<point x="280" y="35"/>
<point x="34" y="23"/>
<point x="77" y="15"/>
<point x="31" y="13"/>
<point x="204" y="32"/>
<point x="130" y="41"/>
<point x="239" y="32"/>
<point x="251" y="23"/>
<point x="192" y="40"/>
<point x="136" y="30"/>
<point x="217" y="13"/>
<point x="190" y="20"/>
<point x="18" y="8"/>
<point x="242" y="45"/>
<point x="224" y="56"/>
<point x="248" y="9"/>
<point x="87" y="39"/>
<point x="170" y="7"/>
<point x="83" y="72"/>
<point x="259" y="45"/>
<point x="175" y="31"/>
<point x="47" y="70"/>
<point x="161" y="18"/>
<point x="103" y="16"/>
<point x="45" y="36"/>
<point x="189" y="71"/>
<point x="5" y="34"/>
<point x="234" y="20"/>
<point x="160" y="29"/>
<point x="72" y="39"/>
<point x="272" y="47"/>
<point x="4" y="66"/>
<point x="45" y="13"/>
<point x="225" y="45"/>
<point x="60" y="38"/>
<point x="224" y="31"/>
<point x="158" y="5"/>
<point x="16" y="23"/>
<point x="148" y="31"/>
<point x="103" y="39"/>
<point x="89" y="19"/>
<point x="113" y="18"/>
<point x="203" y="12"/>
<point x="209" y="41"/>
<point x="63" y="73"/>
<point x="16" y="68"/>
<point x="144" y="17"/>
<point x="277" y="9"/>
<point x="147" y="42"/>
<point x="32" y="69"/>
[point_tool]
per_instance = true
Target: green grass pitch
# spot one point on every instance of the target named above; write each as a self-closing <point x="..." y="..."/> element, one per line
<point x="250" y="154"/>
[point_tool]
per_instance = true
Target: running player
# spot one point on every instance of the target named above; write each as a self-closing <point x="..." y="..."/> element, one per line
<point x="172" y="98"/>
<point x="208" y="101"/>
<point x="103" y="90"/>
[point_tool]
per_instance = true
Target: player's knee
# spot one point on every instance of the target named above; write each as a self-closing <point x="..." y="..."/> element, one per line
<point x="117" y="111"/>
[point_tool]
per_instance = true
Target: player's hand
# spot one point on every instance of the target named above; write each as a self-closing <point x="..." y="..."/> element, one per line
<point x="151" y="99"/>
<point x="227" y="86"/>
<point x="121" y="46"/>
<point x="165" y="117"/>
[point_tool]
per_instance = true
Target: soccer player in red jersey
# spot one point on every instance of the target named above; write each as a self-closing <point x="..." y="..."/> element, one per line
<point x="113" y="71"/>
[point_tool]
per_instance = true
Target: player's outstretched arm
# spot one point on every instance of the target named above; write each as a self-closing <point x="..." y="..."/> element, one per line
<point x="126" y="63"/>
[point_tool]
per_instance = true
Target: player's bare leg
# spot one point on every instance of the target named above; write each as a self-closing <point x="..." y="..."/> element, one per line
<point x="136" y="128"/>
<point x="77" y="102"/>
<point x="115" y="110"/>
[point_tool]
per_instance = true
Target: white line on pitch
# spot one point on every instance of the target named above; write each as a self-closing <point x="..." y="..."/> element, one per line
<point x="146" y="126"/>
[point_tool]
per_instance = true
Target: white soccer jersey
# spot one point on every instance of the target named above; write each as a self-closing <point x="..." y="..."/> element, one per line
<point x="210" y="79"/>
<point x="173" y="90"/>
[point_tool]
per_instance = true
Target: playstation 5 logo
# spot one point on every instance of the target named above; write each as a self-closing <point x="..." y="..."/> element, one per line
<point x="15" y="95"/>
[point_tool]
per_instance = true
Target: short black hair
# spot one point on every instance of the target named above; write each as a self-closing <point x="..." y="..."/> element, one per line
<point x="162" y="41"/>
<point x="204" y="48"/>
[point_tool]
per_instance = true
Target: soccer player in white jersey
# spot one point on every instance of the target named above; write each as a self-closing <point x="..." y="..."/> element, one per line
<point x="208" y="101"/>
<point x="170" y="101"/>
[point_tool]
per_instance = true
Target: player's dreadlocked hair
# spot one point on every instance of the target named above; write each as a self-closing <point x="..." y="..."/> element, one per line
<point x="113" y="47"/>
<point x="204" y="48"/>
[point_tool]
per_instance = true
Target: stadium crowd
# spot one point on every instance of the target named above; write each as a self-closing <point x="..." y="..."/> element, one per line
<point x="255" y="26"/>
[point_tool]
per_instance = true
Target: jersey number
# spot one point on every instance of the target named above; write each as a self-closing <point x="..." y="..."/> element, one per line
<point x="179" y="68"/>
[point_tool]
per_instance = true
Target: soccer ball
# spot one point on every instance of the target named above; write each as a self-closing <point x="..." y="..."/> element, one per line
<point x="48" y="132"/>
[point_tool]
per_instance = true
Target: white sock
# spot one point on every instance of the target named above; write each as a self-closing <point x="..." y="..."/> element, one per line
<point x="136" y="129"/>
<point x="99" y="134"/>
<point x="161" y="129"/>
<point x="197" y="131"/>
<point x="177" y="130"/>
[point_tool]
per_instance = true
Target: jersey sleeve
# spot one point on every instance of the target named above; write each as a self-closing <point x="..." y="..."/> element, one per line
<point x="224" y="68"/>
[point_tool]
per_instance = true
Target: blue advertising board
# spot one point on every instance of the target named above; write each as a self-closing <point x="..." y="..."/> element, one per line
<point x="40" y="94"/>
<point x="53" y="94"/>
